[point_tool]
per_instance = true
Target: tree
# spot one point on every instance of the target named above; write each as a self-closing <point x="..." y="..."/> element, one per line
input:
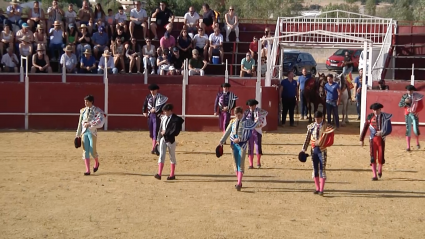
<point x="419" y="11"/>
<point x="350" y="1"/>
<point x="371" y="7"/>
<point x="402" y="10"/>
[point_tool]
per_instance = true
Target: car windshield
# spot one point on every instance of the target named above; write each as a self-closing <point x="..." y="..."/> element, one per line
<point x="290" y="56"/>
<point x="341" y="52"/>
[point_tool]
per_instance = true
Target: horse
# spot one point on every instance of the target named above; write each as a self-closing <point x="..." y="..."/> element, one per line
<point x="340" y="79"/>
<point x="314" y="93"/>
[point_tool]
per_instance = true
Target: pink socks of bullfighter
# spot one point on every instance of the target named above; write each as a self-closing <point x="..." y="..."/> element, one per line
<point x="87" y="163"/>
<point x="408" y="143"/>
<point x="374" y="172"/>
<point x="153" y="144"/>
<point x="173" y="169"/>
<point x="240" y="174"/>
<point x="316" y="182"/>
<point x="160" y="168"/>
<point x="322" y="185"/>
<point x="251" y="160"/>
<point x="258" y="160"/>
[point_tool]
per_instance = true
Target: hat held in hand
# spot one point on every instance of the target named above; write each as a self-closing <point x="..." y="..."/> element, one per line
<point x="219" y="151"/>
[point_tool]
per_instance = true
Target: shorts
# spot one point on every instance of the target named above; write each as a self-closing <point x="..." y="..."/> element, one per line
<point x="207" y="21"/>
<point x="216" y="52"/>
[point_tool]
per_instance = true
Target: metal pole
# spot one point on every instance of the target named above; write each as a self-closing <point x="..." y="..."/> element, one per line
<point x="364" y="88"/>
<point x="267" y="81"/>
<point x="106" y="82"/>
<point x="27" y="86"/>
<point x="105" y="70"/>
<point x="226" y="74"/>
<point x="259" y="60"/>
<point x="258" y="84"/>
<point x="21" y="70"/>
<point x="186" y="74"/>
<point x="281" y="73"/>
<point x="63" y="73"/>
<point x="369" y="62"/>
<point x="412" y="77"/>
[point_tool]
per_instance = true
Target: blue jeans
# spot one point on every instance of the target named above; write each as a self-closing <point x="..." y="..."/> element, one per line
<point x="9" y="23"/>
<point x="332" y="109"/>
<point x="56" y="47"/>
<point x="303" y="104"/>
<point x="347" y="70"/>
<point x="358" y="103"/>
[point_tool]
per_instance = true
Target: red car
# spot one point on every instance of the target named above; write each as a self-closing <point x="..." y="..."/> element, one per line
<point x="334" y="62"/>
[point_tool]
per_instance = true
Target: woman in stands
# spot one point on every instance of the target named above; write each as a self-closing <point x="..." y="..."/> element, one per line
<point x="148" y="52"/>
<point x="99" y="15"/>
<point x="232" y="23"/>
<point x="184" y="43"/>
<point x="133" y="54"/>
<point x="163" y="63"/>
<point x="6" y="38"/>
<point x="40" y="37"/>
<point x="267" y="34"/>
<point x="25" y="47"/>
<point x="71" y="36"/>
<point x="118" y="53"/>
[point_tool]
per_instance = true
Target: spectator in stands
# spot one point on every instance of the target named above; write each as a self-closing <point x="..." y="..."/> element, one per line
<point x="248" y="66"/>
<point x="253" y="47"/>
<point x="149" y="56"/>
<point x="138" y="18"/>
<point x="263" y="66"/>
<point x="265" y="43"/>
<point x="167" y="41"/>
<point x="196" y="64"/>
<point x="118" y="51"/>
<point x="6" y="39"/>
<point x="289" y="98"/>
<point x="10" y="61"/>
<point x="133" y="54"/>
<point x="208" y="19"/>
<point x="55" y="14"/>
<point x="232" y="23"/>
<point x="69" y="60"/>
<point x="56" y="40"/>
<point x="122" y="35"/>
<point x="25" y="47"/>
<point x="71" y="36"/>
<point x="110" y="22"/>
<point x="85" y="14"/>
<point x="172" y="71"/>
<point x="88" y="63"/>
<point x="35" y="16"/>
<point x="110" y="66"/>
<point x="70" y="16"/>
<point x="13" y="12"/>
<point x="347" y="63"/>
<point x="99" y="15"/>
<point x="121" y="19"/>
<point x="40" y="61"/>
<point x="382" y="85"/>
<point x="163" y="63"/>
<point x="184" y="43"/>
<point x="22" y="33"/>
<point x="84" y="40"/>
<point x="216" y="45"/>
<point x="2" y="18"/>
<point x="40" y="36"/>
<point x="200" y="42"/>
<point x="100" y="41"/>
<point x="162" y="16"/>
<point x="191" y="21"/>
<point x="177" y="61"/>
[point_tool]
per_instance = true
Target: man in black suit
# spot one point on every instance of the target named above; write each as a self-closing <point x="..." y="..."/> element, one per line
<point x="170" y="127"/>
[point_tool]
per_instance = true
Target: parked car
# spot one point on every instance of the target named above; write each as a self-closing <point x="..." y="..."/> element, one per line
<point x="334" y="62"/>
<point x="296" y="60"/>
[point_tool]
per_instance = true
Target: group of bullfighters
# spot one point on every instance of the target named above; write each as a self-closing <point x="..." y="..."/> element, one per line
<point x="245" y="131"/>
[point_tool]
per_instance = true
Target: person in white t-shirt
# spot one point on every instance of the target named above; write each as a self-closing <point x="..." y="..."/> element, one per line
<point x="70" y="16"/>
<point x="216" y="44"/>
<point x="121" y="19"/>
<point x="138" y="17"/>
<point x="191" y="20"/>
<point x="201" y="41"/>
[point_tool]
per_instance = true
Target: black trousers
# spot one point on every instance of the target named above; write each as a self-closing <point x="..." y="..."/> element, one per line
<point x="288" y="104"/>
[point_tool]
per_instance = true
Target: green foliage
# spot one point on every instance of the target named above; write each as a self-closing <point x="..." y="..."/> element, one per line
<point x="419" y="11"/>
<point x="401" y="10"/>
<point x="350" y="1"/>
<point x="342" y="6"/>
<point x="371" y="7"/>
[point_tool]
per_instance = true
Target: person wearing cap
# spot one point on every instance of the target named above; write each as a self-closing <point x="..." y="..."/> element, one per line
<point x="255" y="114"/>
<point x="149" y="58"/>
<point x="289" y="98"/>
<point x="197" y="65"/>
<point x="71" y="36"/>
<point x="167" y="41"/>
<point x="69" y="60"/>
<point x="164" y="19"/>
<point x="70" y="16"/>
<point x="239" y="131"/>
<point x="40" y="36"/>
<point x="109" y="65"/>
<point x="10" y="61"/>
<point x="133" y="54"/>
<point x="413" y="105"/>
<point x="248" y="66"/>
<point x="172" y="71"/>
<point x="152" y="109"/>
<point x="40" y="61"/>
<point x="56" y="39"/>
<point x="88" y="63"/>
<point x="216" y="45"/>
<point x="184" y="44"/>
<point x="14" y="13"/>
<point x="138" y="18"/>
<point x="84" y="40"/>
<point x="100" y="41"/>
<point x="35" y="16"/>
<point x="91" y="118"/>
<point x="6" y="39"/>
<point x="24" y="32"/>
<point x="85" y="14"/>
<point x="200" y="42"/>
<point x="224" y="103"/>
<point x="379" y="125"/>
<point x="25" y="47"/>
<point x="176" y="61"/>
<point x="321" y="136"/>
<point x="55" y="14"/>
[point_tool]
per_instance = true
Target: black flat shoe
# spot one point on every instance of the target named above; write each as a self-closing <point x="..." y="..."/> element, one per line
<point x="379" y="175"/>
<point x="157" y="176"/>
<point x="418" y="146"/>
<point x="321" y="194"/>
<point x="375" y="179"/>
<point x="238" y="187"/>
<point x="250" y="167"/>
<point x="86" y="173"/>
<point x="316" y="192"/>
<point x="153" y="152"/>
<point x="258" y="165"/>
<point x="171" y="178"/>
<point x="95" y="169"/>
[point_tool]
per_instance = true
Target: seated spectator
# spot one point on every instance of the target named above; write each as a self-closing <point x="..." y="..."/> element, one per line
<point x="263" y="66"/>
<point x="191" y="21"/>
<point x="84" y="40"/>
<point x="216" y="45"/>
<point x="88" y="63"/>
<point x="69" y="60"/>
<point x="56" y="40"/>
<point x="118" y="52"/>
<point x="40" y="61"/>
<point x="232" y="23"/>
<point x="265" y="43"/>
<point x="122" y="35"/>
<point x="71" y="36"/>
<point x="85" y="14"/>
<point x="162" y="16"/>
<point x="133" y="54"/>
<point x="40" y="36"/>
<point x="172" y="71"/>
<point x="177" y="61"/>
<point x="100" y="41"/>
<point x="163" y="63"/>
<point x="10" y="61"/>
<point x="167" y="41"/>
<point x="149" y="56"/>
<point x="110" y="22"/>
<point x="184" y="43"/>
<point x="382" y="85"/>
<point x="23" y="32"/>
<point x="13" y="12"/>
<point x="248" y="66"/>
<point x="253" y="47"/>
<point x="110" y="66"/>
<point x="200" y="42"/>
<point x="99" y="16"/>
<point x="208" y="19"/>
<point x="55" y="14"/>
<point x="70" y="16"/>
<point x="25" y="47"/>
<point x="196" y="64"/>
<point x="138" y="18"/>
<point x="121" y="19"/>
<point x="35" y="16"/>
<point x="6" y="39"/>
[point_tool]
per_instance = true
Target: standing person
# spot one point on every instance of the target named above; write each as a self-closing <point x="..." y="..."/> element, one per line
<point x="91" y="119"/>
<point x="333" y="96"/>
<point x="154" y="102"/>
<point x="348" y="64"/>
<point x="379" y="124"/>
<point x="321" y="136"/>
<point x="289" y="95"/>
<point x="259" y="115"/>
<point x="358" y="87"/>
<point x="240" y="131"/>
<point x="301" y="84"/>
<point x="225" y="101"/>
<point x="412" y="104"/>
<point x="171" y="125"/>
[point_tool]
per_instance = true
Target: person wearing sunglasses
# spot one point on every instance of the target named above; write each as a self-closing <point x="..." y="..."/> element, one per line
<point x="232" y="23"/>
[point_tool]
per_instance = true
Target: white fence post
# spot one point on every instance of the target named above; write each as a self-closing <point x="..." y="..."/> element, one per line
<point x="106" y="82"/>
<point x="364" y="87"/>
<point x="21" y="70"/>
<point x="184" y="83"/>
<point x="412" y="77"/>
<point x="27" y="88"/>
<point x="226" y="74"/>
<point x="145" y="76"/>
<point x="63" y="72"/>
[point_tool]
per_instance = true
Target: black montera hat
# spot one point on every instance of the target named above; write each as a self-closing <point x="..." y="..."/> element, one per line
<point x="252" y="102"/>
<point x="225" y="85"/>
<point x="219" y="151"/>
<point x="302" y="157"/>
<point x="318" y="114"/>
<point x="376" y="106"/>
<point x="410" y="87"/>
<point x="153" y="87"/>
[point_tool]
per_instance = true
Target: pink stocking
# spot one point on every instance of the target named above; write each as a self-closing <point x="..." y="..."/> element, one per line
<point x="379" y="168"/>
<point x="87" y="162"/>
<point x="258" y="159"/>
<point x="153" y="144"/>
<point x="96" y="162"/>
<point x="160" y="167"/>
<point x="173" y="168"/>
<point x="251" y="159"/>
<point x="240" y="178"/>
<point x="322" y="184"/>
<point x="408" y="142"/>
<point x="374" y="169"/>
<point x="316" y="182"/>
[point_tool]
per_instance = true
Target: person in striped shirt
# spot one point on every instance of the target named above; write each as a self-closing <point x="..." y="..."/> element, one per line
<point x="224" y="102"/>
<point x="321" y="136"/>
<point x="239" y="130"/>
